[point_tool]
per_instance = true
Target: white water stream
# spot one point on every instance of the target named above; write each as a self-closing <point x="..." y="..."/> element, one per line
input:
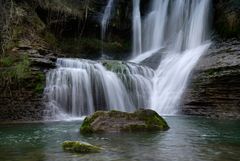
<point x="137" y="35"/>
<point x="181" y="28"/>
<point x="105" y="19"/>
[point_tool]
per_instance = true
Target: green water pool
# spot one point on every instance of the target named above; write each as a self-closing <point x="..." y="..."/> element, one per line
<point x="189" y="138"/>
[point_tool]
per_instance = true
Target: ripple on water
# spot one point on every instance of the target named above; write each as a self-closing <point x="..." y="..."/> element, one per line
<point x="188" y="139"/>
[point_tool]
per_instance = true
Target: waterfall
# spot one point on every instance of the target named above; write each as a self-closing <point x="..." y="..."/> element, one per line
<point x="176" y="29"/>
<point x="79" y="87"/>
<point x="186" y="42"/>
<point x="171" y="79"/>
<point x="154" y="25"/>
<point x="137" y="39"/>
<point x="180" y="27"/>
<point x="105" y="20"/>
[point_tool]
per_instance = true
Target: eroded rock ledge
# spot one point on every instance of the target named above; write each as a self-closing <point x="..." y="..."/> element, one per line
<point x="214" y="90"/>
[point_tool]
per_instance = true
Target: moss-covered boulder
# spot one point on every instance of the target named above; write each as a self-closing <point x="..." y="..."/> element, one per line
<point x="116" y="121"/>
<point x="79" y="147"/>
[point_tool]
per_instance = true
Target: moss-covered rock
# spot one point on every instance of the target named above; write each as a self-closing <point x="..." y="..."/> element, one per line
<point x="79" y="147"/>
<point x="15" y="67"/>
<point x="116" y="121"/>
<point x="115" y="66"/>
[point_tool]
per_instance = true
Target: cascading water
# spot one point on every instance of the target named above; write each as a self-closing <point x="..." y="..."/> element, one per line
<point x="180" y="27"/>
<point x="154" y="25"/>
<point x="105" y="20"/>
<point x="177" y="28"/>
<point x="80" y="87"/>
<point x="137" y="39"/>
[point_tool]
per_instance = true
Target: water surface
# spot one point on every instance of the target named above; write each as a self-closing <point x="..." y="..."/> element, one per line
<point x="189" y="138"/>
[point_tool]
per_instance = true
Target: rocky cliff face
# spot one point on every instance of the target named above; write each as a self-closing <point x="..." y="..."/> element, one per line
<point x="27" y="52"/>
<point x="214" y="90"/>
<point x="226" y="20"/>
<point x="35" y="32"/>
<point x="76" y="25"/>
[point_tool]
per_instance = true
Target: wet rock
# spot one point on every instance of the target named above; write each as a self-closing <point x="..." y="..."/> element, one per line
<point x="153" y="61"/>
<point x="79" y="147"/>
<point x="123" y="67"/>
<point x="115" y="66"/>
<point x="116" y="121"/>
<point x="214" y="90"/>
<point x="43" y="62"/>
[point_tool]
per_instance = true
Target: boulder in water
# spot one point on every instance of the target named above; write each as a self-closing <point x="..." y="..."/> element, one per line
<point x="79" y="147"/>
<point x="116" y="121"/>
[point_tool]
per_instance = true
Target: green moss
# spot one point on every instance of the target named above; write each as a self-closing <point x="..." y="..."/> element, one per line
<point x="39" y="88"/>
<point x="149" y="121"/>
<point x="86" y="125"/>
<point x="7" y="61"/>
<point x="39" y="82"/>
<point x="22" y="69"/>
<point x="115" y="66"/>
<point x="78" y="147"/>
<point x="17" y="68"/>
<point x="10" y="45"/>
<point x="152" y="119"/>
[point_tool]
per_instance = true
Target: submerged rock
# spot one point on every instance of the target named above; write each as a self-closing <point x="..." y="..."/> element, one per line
<point x="79" y="147"/>
<point x="116" y="121"/>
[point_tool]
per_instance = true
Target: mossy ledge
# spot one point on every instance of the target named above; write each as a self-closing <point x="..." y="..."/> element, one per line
<point x="116" y="121"/>
<point x="79" y="147"/>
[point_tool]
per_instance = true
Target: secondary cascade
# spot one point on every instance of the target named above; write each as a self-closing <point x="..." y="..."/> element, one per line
<point x="79" y="87"/>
